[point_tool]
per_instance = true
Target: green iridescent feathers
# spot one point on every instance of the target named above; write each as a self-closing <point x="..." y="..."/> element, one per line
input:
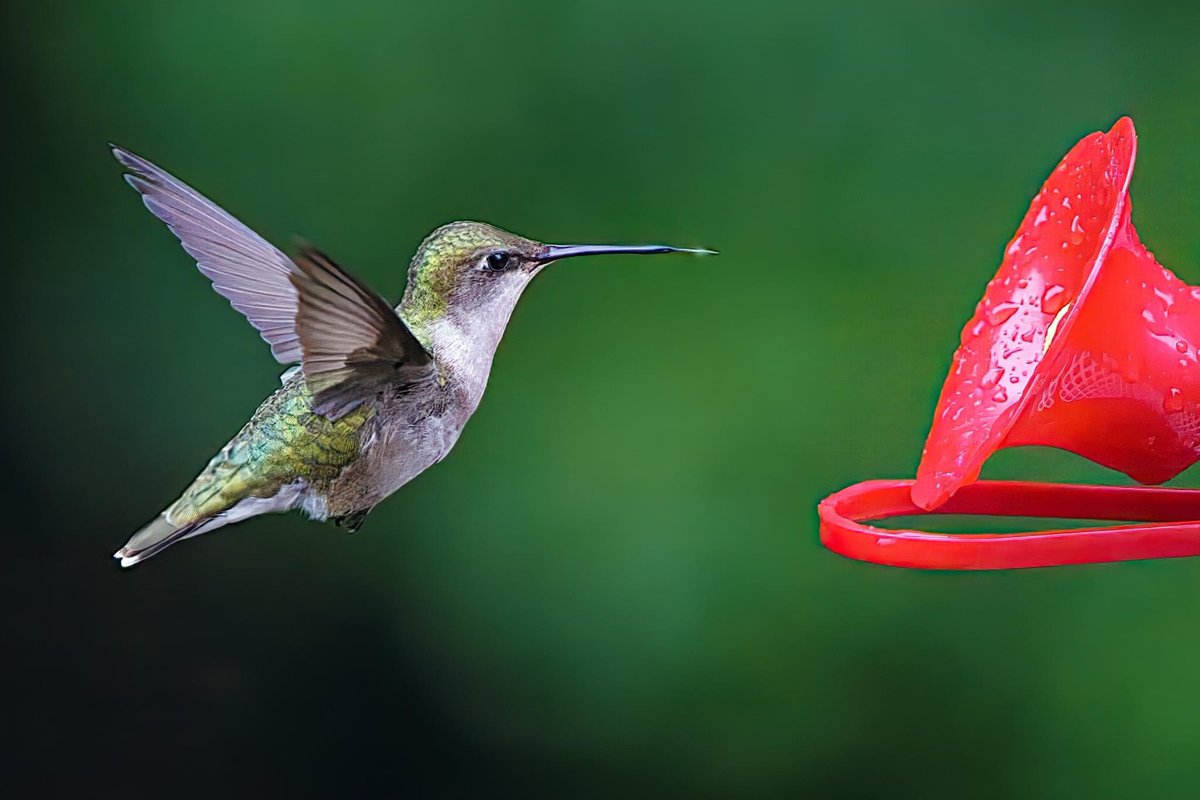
<point x="286" y="440"/>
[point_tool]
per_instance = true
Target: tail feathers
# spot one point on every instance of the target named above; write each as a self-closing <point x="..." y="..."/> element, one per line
<point x="158" y="536"/>
<point x="162" y="533"/>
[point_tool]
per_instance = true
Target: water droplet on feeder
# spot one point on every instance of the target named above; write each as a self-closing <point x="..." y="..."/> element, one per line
<point x="1076" y="231"/>
<point x="999" y="314"/>
<point x="1054" y="299"/>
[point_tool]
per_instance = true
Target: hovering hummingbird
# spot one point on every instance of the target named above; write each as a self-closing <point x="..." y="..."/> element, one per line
<point x="378" y="394"/>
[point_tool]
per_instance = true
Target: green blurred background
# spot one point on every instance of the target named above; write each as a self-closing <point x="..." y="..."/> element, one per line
<point x="613" y="585"/>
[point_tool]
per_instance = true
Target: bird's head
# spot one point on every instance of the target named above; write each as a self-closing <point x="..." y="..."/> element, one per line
<point x="472" y="274"/>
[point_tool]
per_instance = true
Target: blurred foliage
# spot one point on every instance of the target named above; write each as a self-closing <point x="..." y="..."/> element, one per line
<point x="613" y="583"/>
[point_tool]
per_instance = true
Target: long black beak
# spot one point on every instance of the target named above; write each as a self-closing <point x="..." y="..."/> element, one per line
<point x="553" y="252"/>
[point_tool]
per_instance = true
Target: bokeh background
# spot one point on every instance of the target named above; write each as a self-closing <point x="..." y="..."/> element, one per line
<point x="613" y="585"/>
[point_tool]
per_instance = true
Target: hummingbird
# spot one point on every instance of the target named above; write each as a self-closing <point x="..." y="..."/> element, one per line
<point x="374" y="394"/>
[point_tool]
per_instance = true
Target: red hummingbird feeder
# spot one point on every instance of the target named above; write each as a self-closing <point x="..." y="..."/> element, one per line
<point x="1083" y="342"/>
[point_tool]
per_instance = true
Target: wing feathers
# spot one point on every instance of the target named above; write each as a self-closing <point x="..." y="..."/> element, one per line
<point x="348" y="340"/>
<point x="350" y="335"/>
<point x="244" y="268"/>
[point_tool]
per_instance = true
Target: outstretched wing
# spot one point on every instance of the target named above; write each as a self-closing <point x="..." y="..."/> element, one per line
<point x="245" y="269"/>
<point x="348" y="339"/>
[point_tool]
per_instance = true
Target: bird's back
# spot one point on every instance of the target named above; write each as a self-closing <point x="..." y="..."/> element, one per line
<point x="284" y="443"/>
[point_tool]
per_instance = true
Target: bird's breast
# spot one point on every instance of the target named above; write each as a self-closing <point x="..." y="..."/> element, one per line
<point x="407" y="435"/>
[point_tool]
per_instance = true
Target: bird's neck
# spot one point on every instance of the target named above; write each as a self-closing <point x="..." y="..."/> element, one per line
<point x="462" y="346"/>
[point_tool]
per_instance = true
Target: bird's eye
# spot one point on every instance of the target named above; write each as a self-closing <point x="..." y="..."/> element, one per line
<point x="497" y="262"/>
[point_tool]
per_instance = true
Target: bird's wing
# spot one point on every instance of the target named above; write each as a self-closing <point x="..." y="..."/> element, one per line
<point x="245" y="269"/>
<point x="347" y="338"/>
<point x="353" y="341"/>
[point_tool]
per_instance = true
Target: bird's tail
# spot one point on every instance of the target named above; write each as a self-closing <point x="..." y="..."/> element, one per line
<point x="159" y="535"/>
